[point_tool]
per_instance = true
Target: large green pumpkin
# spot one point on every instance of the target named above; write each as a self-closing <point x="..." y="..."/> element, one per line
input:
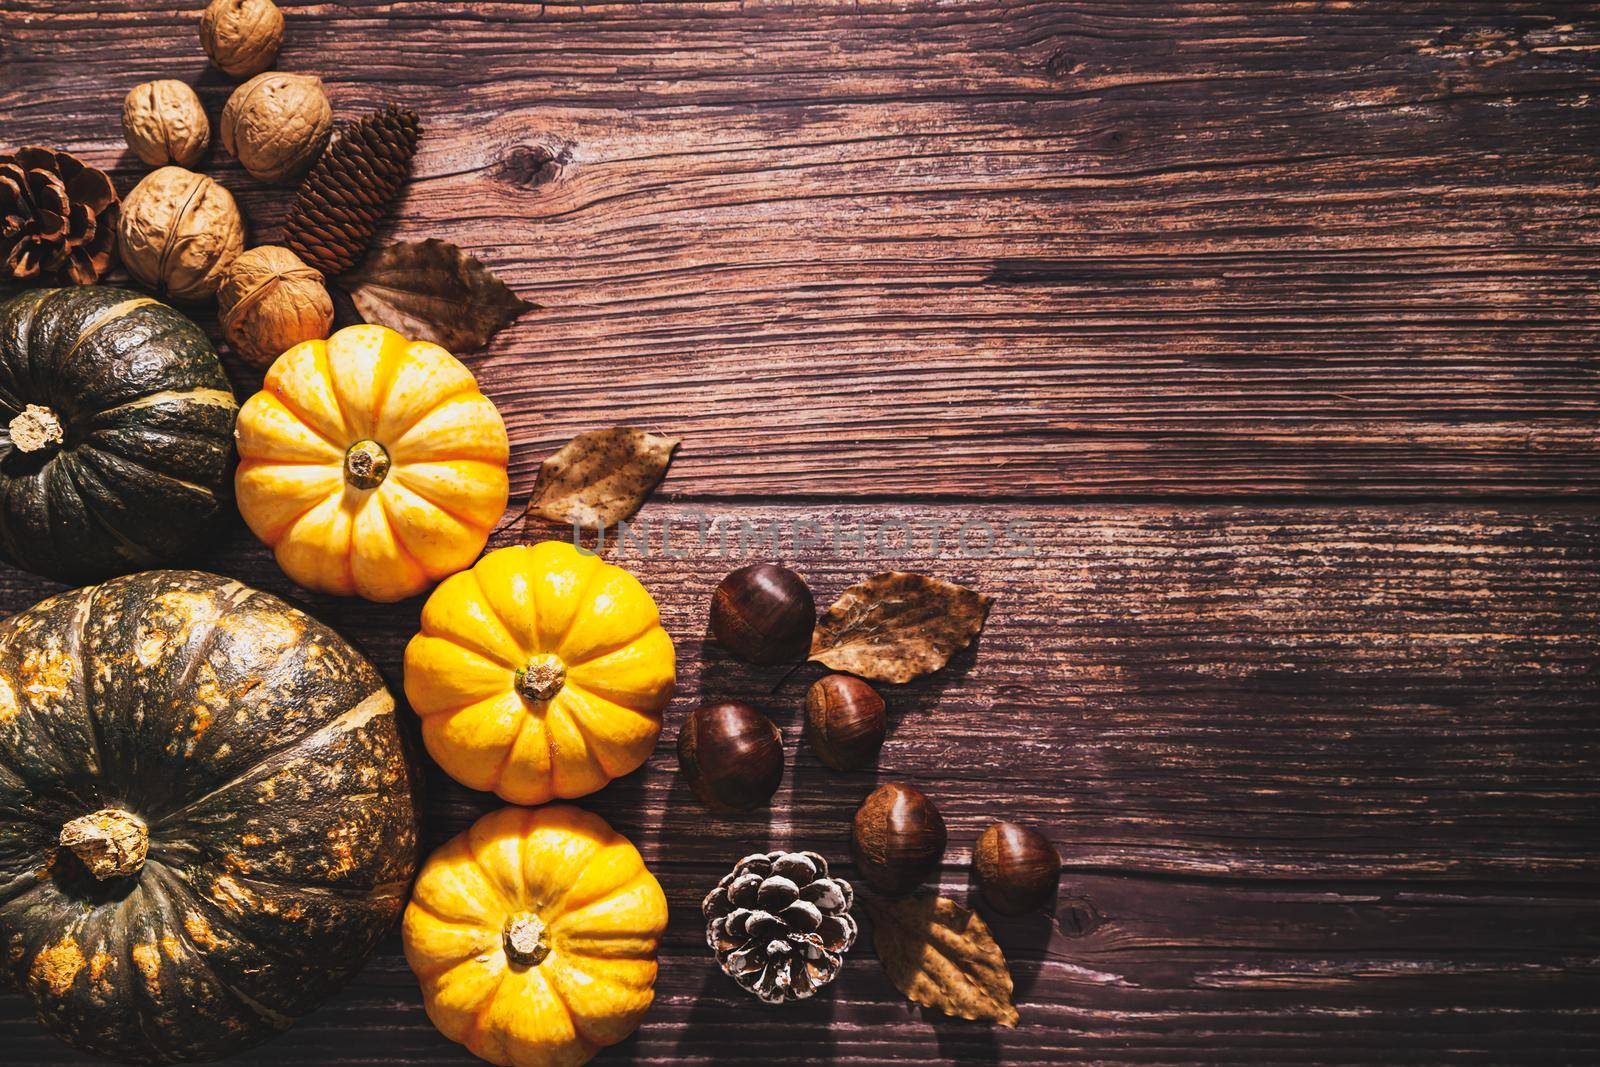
<point x="116" y="433"/>
<point x="206" y="814"/>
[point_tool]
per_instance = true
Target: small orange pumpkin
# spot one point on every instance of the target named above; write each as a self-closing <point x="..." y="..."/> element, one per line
<point x="371" y="464"/>
<point x="534" y="935"/>
<point x="540" y="673"/>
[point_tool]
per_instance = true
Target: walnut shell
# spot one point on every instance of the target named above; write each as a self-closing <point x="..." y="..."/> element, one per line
<point x="164" y="123"/>
<point x="180" y="231"/>
<point x="242" y="36"/>
<point x="269" y="302"/>
<point x="277" y="124"/>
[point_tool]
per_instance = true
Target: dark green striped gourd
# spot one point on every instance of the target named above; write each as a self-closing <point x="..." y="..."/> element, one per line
<point x="116" y="433"/>
<point x="206" y="814"/>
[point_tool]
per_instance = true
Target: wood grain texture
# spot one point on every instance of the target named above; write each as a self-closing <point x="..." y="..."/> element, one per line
<point x="1322" y="779"/>
<point x="1259" y="313"/>
<point x="1110" y="248"/>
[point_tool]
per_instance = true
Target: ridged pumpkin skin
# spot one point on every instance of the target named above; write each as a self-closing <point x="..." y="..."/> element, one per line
<point x="371" y="464"/>
<point x="557" y="880"/>
<point x="262" y="753"/>
<point x="528" y="616"/>
<point x="136" y="470"/>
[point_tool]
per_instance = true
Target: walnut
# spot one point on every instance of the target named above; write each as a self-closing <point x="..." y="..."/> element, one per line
<point x="269" y="302"/>
<point x="277" y="124"/>
<point x="180" y="231"/>
<point x="242" y="36"/>
<point x="164" y="123"/>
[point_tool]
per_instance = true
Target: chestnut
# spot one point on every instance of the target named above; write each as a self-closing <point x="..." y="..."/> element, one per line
<point x="897" y="839"/>
<point x="1018" y="868"/>
<point x="764" y="613"/>
<point x="731" y="755"/>
<point x="845" y="722"/>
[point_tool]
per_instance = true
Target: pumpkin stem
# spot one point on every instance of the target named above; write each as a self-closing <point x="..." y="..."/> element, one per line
<point x="542" y="678"/>
<point x="366" y="465"/>
<point x="110" y="842"/>
<point x="524" y="937"/>
<point x="35" y="429"/>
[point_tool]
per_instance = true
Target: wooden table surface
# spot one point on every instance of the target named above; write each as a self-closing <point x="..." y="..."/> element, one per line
<point x="1274" y="324"/>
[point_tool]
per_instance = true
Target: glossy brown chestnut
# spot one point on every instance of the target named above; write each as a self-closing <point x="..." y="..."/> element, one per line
<point x="845" y="722"/>
<point x="764" y="613"/>
<point x="897" y="839"/>
<point x="1018" y="868"/>
<point x="731" y="755"/>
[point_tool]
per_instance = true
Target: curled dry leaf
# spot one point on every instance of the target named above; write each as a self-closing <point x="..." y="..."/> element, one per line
<point x="941" y="955"/>
<point x="601" y="477"/>
<point x="897" y="626"/>
<point x="433" y="291"/>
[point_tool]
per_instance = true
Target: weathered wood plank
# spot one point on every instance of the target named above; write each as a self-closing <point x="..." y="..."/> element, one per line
<point x="1322" y="778"/>
<point x="1056" y="249"/>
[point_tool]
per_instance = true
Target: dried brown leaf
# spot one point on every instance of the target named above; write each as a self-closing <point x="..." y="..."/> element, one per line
<point x="601" y="477"/>
<point x="941" y="955"/>
<point x="897" y="626"/>
<point x="433" y="291"/>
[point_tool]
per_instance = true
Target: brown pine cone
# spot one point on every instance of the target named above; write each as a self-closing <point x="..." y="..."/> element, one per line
<point x="58" y="218"/>
<point x="779" y="925"/>
<point x="351" y="188"/>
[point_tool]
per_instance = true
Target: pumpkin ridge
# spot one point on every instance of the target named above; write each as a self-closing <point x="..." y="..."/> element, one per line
<point x="135" y="554"/>
<point x="610" y="651"/>
<point x="589" y="746"/>
<point x="569" y="907"/>
<point x="200" y="394"/>
<point x="583" y="598"/>
<point x="304" y="420"/>
<point x="494" y="613"/>
<point x="358" y="715"/>
<point x="308" y="509"/>
<point x="479" y="1014"/>
<point x="589" y="1044"/>
<point x="559" y="908"/>
<point x="476" y="653"/>
<point x="426" y="499"/>
<point x="376" y="893"/>
<point x="82" y="674"/>
<point x="175" y="925"/>
<point x="101" y="440"/>
<point x="394" y="534"/>
<point x="568" y="952"/>
<point x="466" y="388"/>
<point x="505" y="761"/>
<point x="389" y="369"/>
<point x="173" y="478"/>
<point x="105" y="316"/>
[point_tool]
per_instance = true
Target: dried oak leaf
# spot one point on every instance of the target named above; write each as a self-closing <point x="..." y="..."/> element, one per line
<point x="601" y="477"/>
<point x="941" y="955"/>
<point x="433" y="291"/>
<point x="897" y="626"/>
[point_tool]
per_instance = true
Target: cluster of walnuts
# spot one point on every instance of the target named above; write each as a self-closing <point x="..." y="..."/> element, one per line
<point x="181" y="231"/>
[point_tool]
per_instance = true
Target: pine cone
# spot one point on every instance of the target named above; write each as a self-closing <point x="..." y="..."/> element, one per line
<point x="351" y="189"/>
<point x="779" y="925"/>
<point x="58" y="218"/>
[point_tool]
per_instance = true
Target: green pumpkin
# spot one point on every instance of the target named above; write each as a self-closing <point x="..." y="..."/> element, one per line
<point x="206" y="814"/>
<point x="116" y="433"/>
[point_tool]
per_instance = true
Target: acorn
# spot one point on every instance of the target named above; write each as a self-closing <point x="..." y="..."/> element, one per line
<point x="731" y="755"/>
<point x="897" y="839"/>
<point x="764" y="613"/>
<point x="1018" y="868"/>
<point x="845" y="722"/>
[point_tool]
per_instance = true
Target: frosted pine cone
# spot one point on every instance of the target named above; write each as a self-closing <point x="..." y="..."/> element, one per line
<point x="780" y="926"/>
